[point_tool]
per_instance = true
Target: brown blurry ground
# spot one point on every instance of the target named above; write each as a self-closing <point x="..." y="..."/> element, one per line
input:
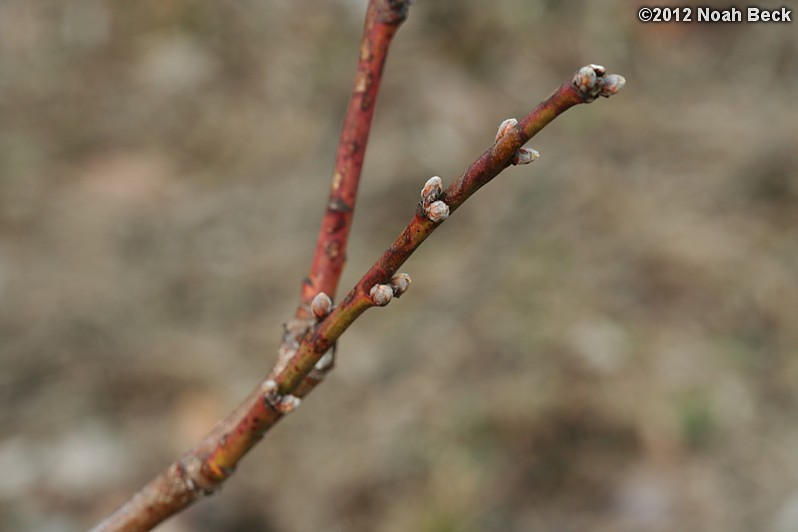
<point x="605" y="340"/>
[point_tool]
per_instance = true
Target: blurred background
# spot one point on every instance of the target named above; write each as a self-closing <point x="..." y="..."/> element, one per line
<point x="604" y="340"/>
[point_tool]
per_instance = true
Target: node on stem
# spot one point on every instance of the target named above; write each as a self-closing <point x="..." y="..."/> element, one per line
<point x="285" y="404"/>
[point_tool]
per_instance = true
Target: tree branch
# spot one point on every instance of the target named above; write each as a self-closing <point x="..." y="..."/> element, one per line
<point x="197" y="473"/>
<point x="202" y="470"/>
<point x="383" y="19"/>
<point x="586" y="85"/>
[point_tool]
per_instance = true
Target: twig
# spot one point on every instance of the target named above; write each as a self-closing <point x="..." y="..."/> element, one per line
<point x="383" y="19"/>
<point x="587" y="84"/>
<point x="203" y="469"/>
<point x="197" y="472"/>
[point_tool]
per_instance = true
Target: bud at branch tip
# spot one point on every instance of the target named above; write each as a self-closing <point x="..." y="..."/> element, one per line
<point x="593" y="81"/>
<point x="612" y="84"/>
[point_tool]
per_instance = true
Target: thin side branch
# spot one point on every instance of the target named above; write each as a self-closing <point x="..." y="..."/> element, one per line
<point x="383" y="19"/>
<point x="201" y="470"/>
<point x="586" y="85"/>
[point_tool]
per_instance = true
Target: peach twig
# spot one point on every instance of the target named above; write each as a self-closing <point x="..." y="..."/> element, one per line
<point x="203" y="469"/>
<point x="383" y="19"/>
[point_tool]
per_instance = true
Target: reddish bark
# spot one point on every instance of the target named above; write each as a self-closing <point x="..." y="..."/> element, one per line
<point x="202" y="470"/>
<point x="383" y="19"/>
<point x="483" y="170"/>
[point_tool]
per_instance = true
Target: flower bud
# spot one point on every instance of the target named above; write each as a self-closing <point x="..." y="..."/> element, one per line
<point x="504" y="127"/>
<point x="585" y="80"/>
<point x="287" y="404"/>
<point x="593" y="81"/>
<point x="326" y="361"/>
<point x="612" y="84"/>
<point x="437" y="211"/>
<point x="321" y="305"/>
<point x="269" y="387"/>
<point x="381" y="294"/>
<point x="598" y="69"/>
<point x="432" y="190"/>
<point x="525" y="156"/>
<point x="399" y="284"/>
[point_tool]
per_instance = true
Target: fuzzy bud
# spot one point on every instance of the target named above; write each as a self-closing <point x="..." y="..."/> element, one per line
<point x="326" y="361"/>
<point x="381" y="294"/>
<point x="585" y="79"/>
<point x="612" y="84"/>
<point x="593" y="81"/>
<point x="399" y="284"/>
<point x="432" y="190"/>
<point x="437" y="211"/>
<point x="598" y="69"/>
<point x="269" y="387"/>
<point x="525" y="156"/>
<point x="287" y="404"/>
<point x="504" y="127"/>
<point x="321" y="305"/>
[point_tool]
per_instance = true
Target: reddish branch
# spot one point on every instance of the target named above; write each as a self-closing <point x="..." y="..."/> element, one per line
<point x="202" y="470"/>
<point x="586" y="85"/>
<point x="383" y="19"/>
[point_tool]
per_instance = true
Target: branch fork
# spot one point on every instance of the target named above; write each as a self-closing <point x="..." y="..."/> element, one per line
<point x="307" y="350"/>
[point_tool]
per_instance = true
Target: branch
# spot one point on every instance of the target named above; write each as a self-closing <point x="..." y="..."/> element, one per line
<point x="383" y="19"/>
<point x="587" y="84"/>
<point x="197" y="473"/>
<point x="203" y="469"/>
